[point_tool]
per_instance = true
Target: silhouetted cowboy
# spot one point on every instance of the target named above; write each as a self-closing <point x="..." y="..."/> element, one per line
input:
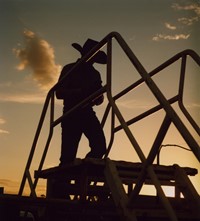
<point x="78" y="85"/>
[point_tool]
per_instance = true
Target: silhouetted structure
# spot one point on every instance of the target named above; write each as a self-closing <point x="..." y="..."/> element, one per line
<point x="107" y="190"/>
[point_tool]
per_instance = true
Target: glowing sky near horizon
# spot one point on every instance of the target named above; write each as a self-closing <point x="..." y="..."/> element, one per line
<point x="35" y="43"/>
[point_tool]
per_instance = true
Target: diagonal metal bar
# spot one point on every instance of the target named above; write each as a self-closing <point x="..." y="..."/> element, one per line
<point x="153" y="152"/>
<point x="147" y="168"/>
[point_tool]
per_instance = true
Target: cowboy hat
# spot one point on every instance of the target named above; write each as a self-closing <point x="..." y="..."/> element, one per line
<point x="100" y="57"/>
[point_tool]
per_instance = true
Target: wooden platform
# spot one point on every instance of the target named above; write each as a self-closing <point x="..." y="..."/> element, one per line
<point x="85" y="181"/>
<point x="94" y="169"/>
<point x="90" y="189"/>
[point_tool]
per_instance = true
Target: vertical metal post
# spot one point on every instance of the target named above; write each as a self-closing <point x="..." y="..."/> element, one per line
<point x="48" y="140"/>
<point x="109" y="66"/>
<point x="116" y="110"/>
<point x="32" y="151"/>
<point x="112" y="134"/>
<point x="180" y="100"/>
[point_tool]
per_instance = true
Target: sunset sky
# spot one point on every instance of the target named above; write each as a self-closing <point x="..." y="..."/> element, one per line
<point x="35" y="43"/>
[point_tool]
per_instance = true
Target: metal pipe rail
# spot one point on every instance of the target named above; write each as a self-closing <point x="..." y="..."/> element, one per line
<point x="177" y="98"/>
<point x="171" y="115"/>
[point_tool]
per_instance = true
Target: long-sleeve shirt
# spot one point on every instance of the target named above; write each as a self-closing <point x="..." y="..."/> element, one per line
<point x="78" y="85"/>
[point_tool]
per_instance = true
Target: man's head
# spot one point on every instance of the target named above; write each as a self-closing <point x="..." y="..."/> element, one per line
<point x="100" y="57"/>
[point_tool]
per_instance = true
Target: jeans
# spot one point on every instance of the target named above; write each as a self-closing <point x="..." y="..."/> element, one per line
<point x="81" y="122"/>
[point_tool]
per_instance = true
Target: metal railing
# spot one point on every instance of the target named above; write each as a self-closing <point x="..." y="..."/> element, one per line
<point x="166" y="104"/>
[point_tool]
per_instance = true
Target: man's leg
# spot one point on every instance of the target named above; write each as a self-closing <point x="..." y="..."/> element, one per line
<point x="71" y="135"/>
<point x="94" y="132"/>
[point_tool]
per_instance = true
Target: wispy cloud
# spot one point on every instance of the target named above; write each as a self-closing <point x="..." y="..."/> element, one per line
<point x="171" y="37"/>
<point x="3" y="121"/>
<point x="24" y="92"/>
<point x="3" y="131"/>
<point x="12" y="187"/>
<point x="169" y="26"/>
<point x="21" y="92"/>
<point x="190" y="19"/>
<point x="134" y="104"/>
<point x="194" y="7"/>
<point x="193" y="106"/>
<point x="35" y="98"/>
<point x="194" y="15"/>
<point x="38" y="55"/>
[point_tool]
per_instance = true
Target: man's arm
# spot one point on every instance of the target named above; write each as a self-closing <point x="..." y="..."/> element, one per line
<point x="98" y="100"/>
<point x="63" y="93"/>
<point x="63" y="90"/>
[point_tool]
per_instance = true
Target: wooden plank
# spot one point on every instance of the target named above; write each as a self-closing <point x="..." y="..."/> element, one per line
<point x="97" y="166"/>
<point x="56" y="171"/>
